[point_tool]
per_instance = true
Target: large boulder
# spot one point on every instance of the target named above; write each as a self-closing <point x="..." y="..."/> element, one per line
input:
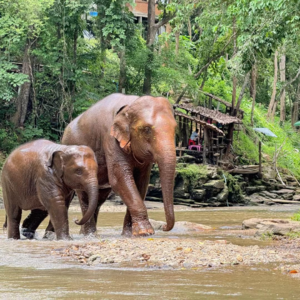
<point x="272" y="226"/>
<point x="198" y="195"/>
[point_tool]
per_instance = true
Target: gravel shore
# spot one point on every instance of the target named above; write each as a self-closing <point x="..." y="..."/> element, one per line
<point x="188" y="253"/>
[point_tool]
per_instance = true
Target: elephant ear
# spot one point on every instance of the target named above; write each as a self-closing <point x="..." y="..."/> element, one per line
<point x="120" y="129"/>
<point x="55" y="162"/>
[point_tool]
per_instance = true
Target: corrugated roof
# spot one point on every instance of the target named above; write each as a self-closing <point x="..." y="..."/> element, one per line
<point x="209" y="113"/>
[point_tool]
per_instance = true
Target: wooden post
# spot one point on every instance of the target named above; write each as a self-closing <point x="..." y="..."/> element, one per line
<point x="205" y="137"/>
<point x="259" y="157"/>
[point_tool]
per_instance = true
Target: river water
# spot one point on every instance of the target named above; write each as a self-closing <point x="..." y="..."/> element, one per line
<point x="29" y="271"/>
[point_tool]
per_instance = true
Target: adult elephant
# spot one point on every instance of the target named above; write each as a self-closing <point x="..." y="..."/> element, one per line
<point x="128" y="134"/>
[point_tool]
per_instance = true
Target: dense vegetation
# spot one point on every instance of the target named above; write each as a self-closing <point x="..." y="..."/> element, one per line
<point x="56" y="61"/>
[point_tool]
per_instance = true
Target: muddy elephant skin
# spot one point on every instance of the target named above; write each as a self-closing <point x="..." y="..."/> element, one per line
<point x="41" y="176"/>
<point x="128" y="134"/>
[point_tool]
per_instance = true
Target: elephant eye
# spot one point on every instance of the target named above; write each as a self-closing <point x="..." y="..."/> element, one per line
<point x="147" y="129"/>
<point x="78" y="171"/>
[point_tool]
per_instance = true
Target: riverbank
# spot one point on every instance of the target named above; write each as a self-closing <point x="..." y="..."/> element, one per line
<point x="189" y="245"/>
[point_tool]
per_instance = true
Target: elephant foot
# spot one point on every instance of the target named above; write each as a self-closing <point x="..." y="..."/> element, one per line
<point x="142" y="228"/>
<point x="88" y="230"/>
<point x="64" y="237"/>
<point x="28" y="233"/>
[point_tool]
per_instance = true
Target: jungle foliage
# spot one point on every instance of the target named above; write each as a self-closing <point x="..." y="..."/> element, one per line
<point x="56" y="61"/>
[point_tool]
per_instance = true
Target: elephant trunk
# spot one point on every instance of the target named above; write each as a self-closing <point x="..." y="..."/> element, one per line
<point x="166" y="164"/>
<point x="92" y="191"/>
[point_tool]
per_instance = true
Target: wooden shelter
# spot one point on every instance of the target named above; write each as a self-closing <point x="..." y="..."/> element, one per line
<point x="214" y="129"/>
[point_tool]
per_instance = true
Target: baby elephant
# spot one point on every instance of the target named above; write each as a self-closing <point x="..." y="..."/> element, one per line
<point x="41" y="176"/>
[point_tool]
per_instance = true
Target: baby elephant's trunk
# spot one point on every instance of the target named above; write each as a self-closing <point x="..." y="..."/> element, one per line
<point x="92" y="191"/>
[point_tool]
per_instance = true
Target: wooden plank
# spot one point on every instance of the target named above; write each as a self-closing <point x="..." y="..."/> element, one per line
<point x="285" y="201"/>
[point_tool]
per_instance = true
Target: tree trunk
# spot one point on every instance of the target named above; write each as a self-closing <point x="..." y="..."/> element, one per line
<point x="23" y="98"/>
<point x="253" y="90"/>
<point x="234" y="80"/>
<point x="246" y="80"/>
<point x="177" y="35"/>
<point x="295" y="113"/>
<point x="152" y="28"/>
<point x="122" y="76"/>
<point x="272" y="101"/>
<point x="190" y="28"/>
<point x="282" y="95"/>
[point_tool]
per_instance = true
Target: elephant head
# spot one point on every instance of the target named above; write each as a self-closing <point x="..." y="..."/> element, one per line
<point x="146" y="130"/>
<point x="76" y="167"/>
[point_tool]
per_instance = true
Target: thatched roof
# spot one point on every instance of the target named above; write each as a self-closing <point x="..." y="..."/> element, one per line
<point x="194" y="119"/>
<point x="209" y="113"/>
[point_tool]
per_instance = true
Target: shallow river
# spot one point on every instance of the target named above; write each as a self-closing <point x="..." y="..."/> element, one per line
<point x="28" y="271"/>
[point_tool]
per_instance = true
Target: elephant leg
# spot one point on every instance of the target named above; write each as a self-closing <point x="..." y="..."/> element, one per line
<point x="122" y="181"/>
<point x="32" y="222"/>
<point x="50" y="229"/>
<point x="59" y="218"/>
<point x="14" y="215"/>
<point x="141" y="178"/>
<point x="90" y="227"/>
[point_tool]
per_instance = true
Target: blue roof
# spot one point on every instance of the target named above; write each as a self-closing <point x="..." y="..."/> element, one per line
<point x="265" y="131"/>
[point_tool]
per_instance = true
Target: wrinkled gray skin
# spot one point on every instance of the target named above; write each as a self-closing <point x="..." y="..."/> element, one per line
<point x="41" y="176"/>
<point x="128" y="134"/>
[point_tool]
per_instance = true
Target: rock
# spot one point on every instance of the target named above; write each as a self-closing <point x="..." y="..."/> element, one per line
<point x="190" y="226"/>
<point x="289" y="178"/>
<point x="271" y="226"/>
<point x="283" y="191"/>
<point x="288" y="196"/>
<point x="198" y="195"/>
<point x="212" y="173"/>
<point x="187" y="159"/>
<point x="184" y="201"/>
<point x="268" y="194"/>
<point x="251" y="223"/>
<point x="269" y="202"/>
<point x="214" y="184"/>
<point x="181" y="226"/>
<point x="157" y="225"/>
<point x="94" y="257"/>
<point x="155" y="190"/>
<point x="154" y="199"/>
<point x="296" y="198"/>
<point x="180" y="193"/>
<point x="256" y="198"/>
<point x="268" y="173"/>
<point x="223" y="196"/>
<point x="198" y="205"/>
<point x="254" y="189"/>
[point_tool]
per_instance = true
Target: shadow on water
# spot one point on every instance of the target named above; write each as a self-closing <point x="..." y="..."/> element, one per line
<point x="28" y="271"/>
